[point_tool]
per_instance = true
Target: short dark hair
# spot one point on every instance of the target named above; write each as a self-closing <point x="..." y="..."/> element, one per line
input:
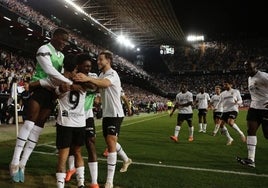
<point x="251" y="59"/>
<point x="228" y="81"/>
<point x="60" y="31"/>
<point x="184" y="84"/>
<point x="82" y="58"/>
<point x="69" y="62"/>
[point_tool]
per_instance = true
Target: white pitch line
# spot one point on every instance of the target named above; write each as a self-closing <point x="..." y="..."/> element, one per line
<point x="169" y="166"/>
<point x="181" y="167"/>
<point x="155" y="117"/>
<point x="127" y="124"/>
<point x="203" y="169"/>
<point x="48" y="144"/>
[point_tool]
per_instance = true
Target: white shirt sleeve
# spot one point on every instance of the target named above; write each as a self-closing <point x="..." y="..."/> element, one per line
<point x="43" y="58"/>
<point x="45" y="82"/>
<point x="239" y="98"/>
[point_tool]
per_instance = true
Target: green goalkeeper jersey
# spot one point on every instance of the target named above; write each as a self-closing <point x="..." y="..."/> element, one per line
<point x="89" y="101"/>
<point x="56" y="59"/>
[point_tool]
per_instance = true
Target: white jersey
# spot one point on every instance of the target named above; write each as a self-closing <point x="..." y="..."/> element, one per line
<point x="230" y="100"/>
<point x="203" y="100"/>
<point x="258" y="89"/>
<point x="89" y="113"/>
<point x="183" y="98"/>
<point x="214" y="101"/>
<point x="71" y="112"/>
<point x="111" y="96"/>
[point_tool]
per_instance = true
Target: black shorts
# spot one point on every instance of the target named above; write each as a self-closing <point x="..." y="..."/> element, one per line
<point x="202" y="112"/>
<point x="90" y="128"/>
<point x="69" y="136"/>
<point x="111" y="125"/>
<point x="182" y="117"/>
<point x="217" y="115"/>
<point x="229" y="115"/>
<point x="44" y="97"/>
<point x="261" y="116"/>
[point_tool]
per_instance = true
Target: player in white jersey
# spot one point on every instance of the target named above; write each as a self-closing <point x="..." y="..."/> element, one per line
<point x="184" y="102"/>
<point x="121" y="153"/>
<point x="202" y="100"/>
<point x="84" y="65"/>
<point x="217" y="113"/>
<point x="258" y="111"/>
<point x="109" y="85"/>
<point x="230" y="99"/>
<point x="70" y="127"/>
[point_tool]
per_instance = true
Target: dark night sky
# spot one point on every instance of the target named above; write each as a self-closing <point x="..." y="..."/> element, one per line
<point x="228" y="17"/>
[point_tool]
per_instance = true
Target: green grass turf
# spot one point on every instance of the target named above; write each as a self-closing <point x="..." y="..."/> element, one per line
<point x="158" y="161"/>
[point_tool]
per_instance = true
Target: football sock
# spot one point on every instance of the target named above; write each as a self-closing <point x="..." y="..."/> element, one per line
<point x="216" y="129"/>
<point x="21" y="140"/>
<point x="177" y="130"/>
<point x="80" y="175"/>
<point x="121" y="152"/>
<point x="71" y="162"/>
<point x="60" y="179"/>
<point x="93" y="169"/>
<point x="225" y="132"/>
<point x="111" y="164"/>
<point x="236" y="128"/>
<point x="205" y="127"/>
<point x="30" y="145"/>
<point x="191" y="131"/>
<point x="251" y="145"/>
<point x="200" y="127"/>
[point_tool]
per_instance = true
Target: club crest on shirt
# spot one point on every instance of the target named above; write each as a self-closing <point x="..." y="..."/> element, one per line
<point x="64" y="113"/>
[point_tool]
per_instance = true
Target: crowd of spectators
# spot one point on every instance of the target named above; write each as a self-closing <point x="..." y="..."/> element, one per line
<point x="171" y="83"/>
<point x="204" y="65"/>
<point x="84" y="43"/>
<point x="209" y="57"/>
<point x="209" y="63"/>
<point x="15" y="67"/>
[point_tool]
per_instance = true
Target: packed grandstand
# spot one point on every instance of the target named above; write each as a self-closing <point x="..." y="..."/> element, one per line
<point x="207" y="64"/>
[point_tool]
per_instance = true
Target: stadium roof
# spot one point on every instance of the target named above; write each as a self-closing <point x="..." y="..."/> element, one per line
<point x="148" y="23"/>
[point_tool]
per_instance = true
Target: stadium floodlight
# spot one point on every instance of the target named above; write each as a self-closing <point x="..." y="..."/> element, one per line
<point x="7" y="18"/>
<point x="78" y="8"/>
<point x="29" y="29"/>
<point x="125" y="41"/>
<point x="195" y="38"/>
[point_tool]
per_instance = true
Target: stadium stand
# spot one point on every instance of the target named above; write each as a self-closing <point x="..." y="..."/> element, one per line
<point x="206" y="64"/>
